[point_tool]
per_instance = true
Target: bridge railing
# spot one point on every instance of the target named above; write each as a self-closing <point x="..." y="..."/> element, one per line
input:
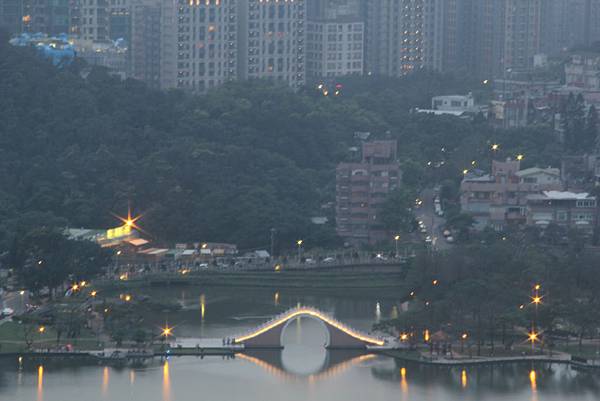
<point x="282" y="317"/>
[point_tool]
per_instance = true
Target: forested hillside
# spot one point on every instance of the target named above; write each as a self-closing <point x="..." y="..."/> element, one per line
<point x="227" y="166"/>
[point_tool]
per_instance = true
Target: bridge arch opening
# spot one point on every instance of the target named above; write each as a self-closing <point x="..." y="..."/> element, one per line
<point x="304" y="342"/>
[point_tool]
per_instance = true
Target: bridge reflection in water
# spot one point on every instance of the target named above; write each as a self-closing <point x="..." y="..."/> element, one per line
<point x="336" y="362"/>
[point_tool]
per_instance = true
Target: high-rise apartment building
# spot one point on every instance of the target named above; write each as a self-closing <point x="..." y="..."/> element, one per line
<point x="395" y="33"/>
<point x="145" y="41"/>
<point x="335" y="48"/>
<point x="198" y="44"/>
<point x="334" y="9"/>
<point x="361" y="190"/>
<point x="90" y="20"/>
<point x="568" y="23"/>
<point x="408" y="35"/>
<point x="11" y="16"/>
<point x="46" y="16"/>
<point x="272" y="40"/>
<point x="522" y="33"/>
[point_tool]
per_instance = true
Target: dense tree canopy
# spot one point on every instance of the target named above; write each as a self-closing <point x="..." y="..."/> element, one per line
<point x="226" y="166"/>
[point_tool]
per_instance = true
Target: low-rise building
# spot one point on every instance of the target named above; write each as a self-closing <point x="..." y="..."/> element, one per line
<point x="361" y="189"/>
<point x="567" y="209"/>
<point x="500" y="198"/>
<point x="583" y="72"/>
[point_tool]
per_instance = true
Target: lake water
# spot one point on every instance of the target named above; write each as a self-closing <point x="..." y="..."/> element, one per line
<point x="304" y="370"/>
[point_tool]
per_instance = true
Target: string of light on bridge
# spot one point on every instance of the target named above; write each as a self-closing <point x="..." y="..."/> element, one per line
<point x="315" y="314"/>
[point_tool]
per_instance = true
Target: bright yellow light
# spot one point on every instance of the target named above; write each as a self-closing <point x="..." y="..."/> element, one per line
<point x="21" y="292"/>
<point x="83" y="284"/>
<point x="119" y="252"/>
<point x="314" y="313"/>
<point x="125" y="297"/>
<point x="465" y="172"/>
<point x="426" y="336"/>
<point x="537" y="287"/>
<point x="403" y="337"/>
<point x="434" y="282"/>
<point x="397" y="238"/>
<point x="167" y="331"/>
<point x="495" y="147"/>
<point x="463" y="379"/>
<point x="42" y="329"/>
<point x="123" y="277"/>
<point x="204" y="246"/>
<point x="473" y="162"/>
<point x="537" y="300"/>
<point x="299" y="242"/>
<point x="75" y="287"/>
<point x="533" y="336"/>
<point x="520" y="157"/>
<point x="277" y="268"/>
<point x="533" y="380"/>
<point x="94" y="293"/>
<point x="464" y="336"/>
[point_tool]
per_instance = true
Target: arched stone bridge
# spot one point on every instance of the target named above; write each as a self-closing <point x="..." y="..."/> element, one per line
<point x="340" y="336"/>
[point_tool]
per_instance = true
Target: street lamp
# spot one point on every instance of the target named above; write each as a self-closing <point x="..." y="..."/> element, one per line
<point x="299" y="243"/>
<point x="397" y="239"/>
<point x="520" y="157"/>
<point x="463" y="338"/>
<point x="495" y="147"/>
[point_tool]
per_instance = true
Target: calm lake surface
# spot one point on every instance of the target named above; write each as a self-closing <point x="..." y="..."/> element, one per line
<point x="304" y="370"/>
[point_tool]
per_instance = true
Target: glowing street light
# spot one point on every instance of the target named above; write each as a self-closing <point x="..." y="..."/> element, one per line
<point x="520" y="157"/>
<point x="495" y="147"/>
<point x="403" y="337"/>
<point x="41" y="329"/>
<point x="93" y="293"/>
<point x="166" y="331"/>
<point x="463" y="338"/>
<point x="533" y="337"/>
<point x="397" y="239"/>
<point x="536" y="300"/>
<point x="299" y="243"/>
<point x="435" y="282"/>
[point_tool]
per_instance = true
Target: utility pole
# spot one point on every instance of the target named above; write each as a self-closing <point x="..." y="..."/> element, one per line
<point x="273" y="232"/>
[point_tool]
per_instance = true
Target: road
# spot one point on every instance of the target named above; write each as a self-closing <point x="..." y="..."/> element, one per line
<point x="434" y="223"/>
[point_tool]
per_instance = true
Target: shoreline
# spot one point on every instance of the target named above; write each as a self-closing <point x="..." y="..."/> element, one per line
<point x="127" y="355"/>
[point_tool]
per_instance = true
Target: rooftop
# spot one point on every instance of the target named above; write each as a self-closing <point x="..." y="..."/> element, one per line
<point x="560" y="195"/>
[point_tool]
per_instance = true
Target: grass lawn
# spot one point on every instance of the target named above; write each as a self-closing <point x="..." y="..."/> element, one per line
<point x="13" y="335"/>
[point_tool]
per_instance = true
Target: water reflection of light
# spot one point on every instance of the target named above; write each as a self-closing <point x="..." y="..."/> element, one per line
<point x="202" y="306"/>
<point x="464" y="379"/>
<point x="132" y="377"/>
<point x="40" y="383"/>
<point x="394" y="312"/>
<point x="276" y="298"/>
<point x="378" y="311"/>
<point x="313" y="378"/>
<point x="105" y="378"/>
<point x="403" y="382"/>
<point x="166" y="382"/>
<point x="533" y="380"/>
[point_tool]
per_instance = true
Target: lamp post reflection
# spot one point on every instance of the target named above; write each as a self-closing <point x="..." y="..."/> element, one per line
<point x="166" y="382"/>
<point x="40" y="383"/>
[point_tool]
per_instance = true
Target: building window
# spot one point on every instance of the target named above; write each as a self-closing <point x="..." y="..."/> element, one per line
<point x="586" y="203"/>
<point x="561" y="215"/>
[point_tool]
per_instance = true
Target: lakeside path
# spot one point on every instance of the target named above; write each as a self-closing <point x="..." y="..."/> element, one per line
<point x="210" y="348"/>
